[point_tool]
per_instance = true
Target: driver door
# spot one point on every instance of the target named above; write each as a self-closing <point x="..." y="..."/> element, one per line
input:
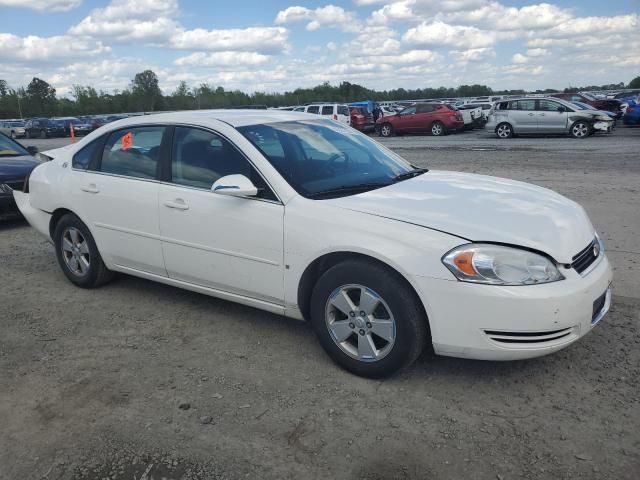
<point x="406" y="120"/>
<point x="234" y="244"/>
<point x="552" y="117"/>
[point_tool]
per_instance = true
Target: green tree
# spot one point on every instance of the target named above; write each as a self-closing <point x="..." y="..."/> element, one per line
<point x="146" y="90"/>
<point x="40" y="98"/>
<point x="635" y="83"/>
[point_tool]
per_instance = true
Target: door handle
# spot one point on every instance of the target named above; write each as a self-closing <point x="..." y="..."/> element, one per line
<point x="91" y="188"/>
<point x="531" y="114"/>
<point x="542" y="114"/>
<point x="178" y="204"/>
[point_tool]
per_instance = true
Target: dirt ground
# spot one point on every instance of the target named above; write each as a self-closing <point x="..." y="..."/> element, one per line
<point x="138" y="380"/>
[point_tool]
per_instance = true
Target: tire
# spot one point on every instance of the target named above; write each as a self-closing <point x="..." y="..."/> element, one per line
<point x="580" y="129"/>
<point x="43" y="134"/>
<point x="13" y="134"/>
<point x="437" y="129"/>
<point x="401" y="341"/>
<point x="27" y="135"/>
<point x="504" y="130"/>
<point x="91" y="271"/>
<point x="387" y="130"/>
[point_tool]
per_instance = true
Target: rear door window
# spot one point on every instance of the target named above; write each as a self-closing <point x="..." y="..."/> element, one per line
<point x="343" y="110"/>
<point x="327" y="110"/>
<point x="133" y="152"/>
<point x="525" y="105"/>
<point x="313" y="109"/>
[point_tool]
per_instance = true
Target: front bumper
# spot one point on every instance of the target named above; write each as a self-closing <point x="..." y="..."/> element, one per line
<point x="488" y="322"/>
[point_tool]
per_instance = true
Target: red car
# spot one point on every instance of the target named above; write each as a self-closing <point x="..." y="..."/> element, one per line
<point x="361" y="119"/>
<point x="608" y="104"/>
<point x="439" y="119"/>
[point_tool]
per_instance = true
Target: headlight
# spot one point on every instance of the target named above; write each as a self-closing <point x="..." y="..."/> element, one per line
<point x="498" y="265"/>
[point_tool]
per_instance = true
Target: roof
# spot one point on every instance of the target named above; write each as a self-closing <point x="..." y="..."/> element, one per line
<point x="236" y="118"/>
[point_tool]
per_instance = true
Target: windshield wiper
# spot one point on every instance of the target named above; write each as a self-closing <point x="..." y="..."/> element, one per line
<point x="410" y="174"/>
<point x="363" y="187"/>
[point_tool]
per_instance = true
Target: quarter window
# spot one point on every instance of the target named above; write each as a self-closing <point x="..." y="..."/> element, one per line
<point x="343" y="110"/>
<point x="133" y="152"/>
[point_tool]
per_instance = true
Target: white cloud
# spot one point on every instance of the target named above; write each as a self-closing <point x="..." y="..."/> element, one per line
<point x="473" y="54"/>
<point x="442" y="34"/>
<point x="257" y="39"/>
<point x="518" y="58"/>
<point x="45" y="50"/>
<point x="329" y="16"/>
<point x="43" y="5"/>
<point x="230" y="60"/>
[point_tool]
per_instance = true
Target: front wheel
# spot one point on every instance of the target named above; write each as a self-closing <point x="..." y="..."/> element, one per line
<point x="78" y="254"/>
<point x="504" y="130"/>
<point x="437" y="129"/>
<point x="386" y="130"/>
<point x="580" y="129"/>
<point x="13" y="134"/>
<point x="368" y="319"/>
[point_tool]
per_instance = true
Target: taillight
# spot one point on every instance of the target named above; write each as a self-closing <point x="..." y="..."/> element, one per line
<point x="630" y="109"/>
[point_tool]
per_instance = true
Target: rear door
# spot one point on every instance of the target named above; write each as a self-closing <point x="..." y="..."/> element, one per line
<point x="424" y="117"/>
<point x="550" y="117"/>
<point x="342" y="114"/>
<point x="522" y="115"/>
<point x="115" y="192"/>
<point x="313" y="109"/>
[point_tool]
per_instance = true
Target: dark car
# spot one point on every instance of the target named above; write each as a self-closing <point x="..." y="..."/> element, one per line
<point x="629" y="94"/>
<point x="361" y="119"/>
<point x="436" y="118"/>
<point x="608" y="104"/>
<point x="44" y="128"/>
<point x="16" y="163"/>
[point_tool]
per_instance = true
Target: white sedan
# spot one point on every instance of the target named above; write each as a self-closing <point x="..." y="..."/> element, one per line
<point x="308" y="218"/>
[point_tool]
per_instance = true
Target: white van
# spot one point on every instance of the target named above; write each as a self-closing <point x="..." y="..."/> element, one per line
<point x="337" y="111"/>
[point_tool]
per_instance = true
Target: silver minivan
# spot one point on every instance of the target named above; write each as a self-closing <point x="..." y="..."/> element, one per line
<point x="544" y="116"/>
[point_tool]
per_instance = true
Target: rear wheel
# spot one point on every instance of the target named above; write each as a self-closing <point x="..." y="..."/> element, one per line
<point x="504" y="130"/>
<point x="580" y="129"/>
<point x="386" y="130"/>
<point x="13" y="134"/>
<point x="437" y="129"/>
<point x="78" y="254"/>
<point x="368" y="319"/>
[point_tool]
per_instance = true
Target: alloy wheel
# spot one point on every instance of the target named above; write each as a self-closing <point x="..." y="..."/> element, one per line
<point x="436" y="129"/>
<point x="386" y="130"/>
<point x="75" y="251"/>
<point x="360" y="323"/>
<point x="580" y="130"/>
<point x="504" y="131"/>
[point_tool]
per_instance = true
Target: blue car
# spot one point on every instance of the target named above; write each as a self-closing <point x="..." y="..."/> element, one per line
<point x="632" y="115"/>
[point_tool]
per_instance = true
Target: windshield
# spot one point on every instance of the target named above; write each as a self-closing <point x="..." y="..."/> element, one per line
<point x="9" y="148"/>
<point x="582" y="106"/>
<point x="588" y="96"/>
<point x="323" y="157"/>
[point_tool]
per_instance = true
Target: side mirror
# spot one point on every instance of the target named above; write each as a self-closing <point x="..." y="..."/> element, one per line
<point x="562" y="109"/>
<point x="235" y="186"/>
<point x="32" y="150"/>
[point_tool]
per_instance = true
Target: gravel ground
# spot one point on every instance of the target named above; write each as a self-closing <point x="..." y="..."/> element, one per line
<point x="138" y="380"/>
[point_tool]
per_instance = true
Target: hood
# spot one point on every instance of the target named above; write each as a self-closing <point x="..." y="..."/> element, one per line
<point x="16" y="168"/>
<point x="481" y="208"/>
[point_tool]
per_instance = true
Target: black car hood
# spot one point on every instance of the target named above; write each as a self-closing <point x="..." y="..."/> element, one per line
<point x="16" y="168"/>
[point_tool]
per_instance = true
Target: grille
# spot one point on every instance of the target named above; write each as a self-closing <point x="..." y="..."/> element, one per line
<point x="528" y="337"/>
<point x="586" y="257"/>
<point x="15" y="184"/>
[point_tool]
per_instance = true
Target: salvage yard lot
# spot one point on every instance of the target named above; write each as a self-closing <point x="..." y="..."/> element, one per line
<point x="92" y="381"/>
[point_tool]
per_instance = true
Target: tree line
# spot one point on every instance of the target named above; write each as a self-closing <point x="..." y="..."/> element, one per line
<point x="144" y="95"/>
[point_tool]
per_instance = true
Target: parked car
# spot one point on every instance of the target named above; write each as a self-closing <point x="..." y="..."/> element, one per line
<point x="16" y="162"/>
<point x="609" y="104"/>
<point x="66" y="122"/>
<point x="12" y="128"/>
<point x="361" y="119"/>
<point x="337" y="111"/>
<point x="544" y="116"/>
<point x="43" y="128"/>
<point x="82" y="127"/>
<point x="632" y="115"/>
<point x="438" y="119"/>
<point x="629" y="94"/>
<point x="322" y="223"/>
<point x="586" y="106"/>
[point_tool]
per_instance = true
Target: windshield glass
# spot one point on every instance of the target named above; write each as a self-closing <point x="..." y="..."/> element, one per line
<point x="323" y="157"/>
<point x="588" y="96"/>
<point x="583" y="106"/>
<point x="9" y="148"/>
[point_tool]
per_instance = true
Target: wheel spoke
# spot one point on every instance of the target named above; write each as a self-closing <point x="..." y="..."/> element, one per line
<point x="368" y="301"/>
<point x="73" y="264"/>
<point x="366" y="348"/>
<point x="383" y="329"/>
<point x="340" y="330"/>
<point x="343" y="303"/>
<point x="66" y="245"/>
<point x="84" y="248"/>
<point x="83" y="263"/>
<point x="73" y="234"/>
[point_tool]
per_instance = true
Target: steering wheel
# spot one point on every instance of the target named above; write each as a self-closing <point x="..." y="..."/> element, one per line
<point x="332" y="161"/>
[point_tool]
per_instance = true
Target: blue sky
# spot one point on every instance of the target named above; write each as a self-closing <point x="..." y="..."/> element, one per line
<point x="276" y="45"/>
